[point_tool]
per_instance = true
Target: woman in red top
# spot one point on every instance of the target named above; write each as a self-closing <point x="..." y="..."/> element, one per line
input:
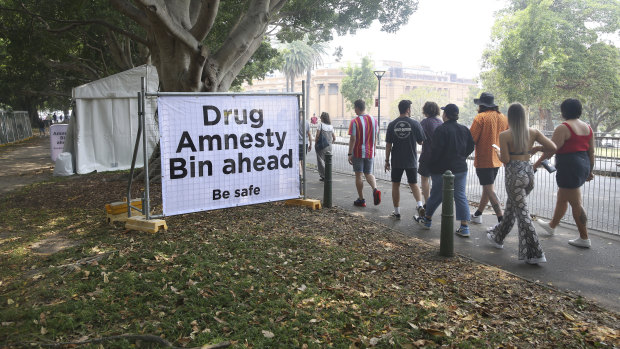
<point x="574" y="162"/>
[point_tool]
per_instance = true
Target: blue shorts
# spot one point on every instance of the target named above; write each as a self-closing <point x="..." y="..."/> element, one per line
<point x="397" y="174"/>
<point x="362" y="165"/>
<point x="573" y="169"/>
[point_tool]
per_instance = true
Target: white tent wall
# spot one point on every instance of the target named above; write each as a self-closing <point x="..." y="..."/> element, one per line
<point x="105" y="122"/>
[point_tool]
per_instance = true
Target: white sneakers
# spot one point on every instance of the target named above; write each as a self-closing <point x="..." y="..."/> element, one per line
<point x="545" y="225"/>
<point x="492" y="241"/>
<point x="542" y="259"/>
<point x="579" y="242"/>
<point x="476" y="219"/>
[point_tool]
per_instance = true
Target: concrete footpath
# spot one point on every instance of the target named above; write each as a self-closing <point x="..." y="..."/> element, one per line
<point x="592" y="273"/>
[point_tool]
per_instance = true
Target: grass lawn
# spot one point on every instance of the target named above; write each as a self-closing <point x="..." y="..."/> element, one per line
<point x="607" y="152"/>
<point x="263" y="276"/>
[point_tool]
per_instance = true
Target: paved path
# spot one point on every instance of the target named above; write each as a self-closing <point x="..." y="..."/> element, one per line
<point x="25" y="163"/>
<point x="593" y="273"/>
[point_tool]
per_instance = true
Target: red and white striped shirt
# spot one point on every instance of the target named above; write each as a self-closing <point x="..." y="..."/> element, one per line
<point x="364" y="128"/>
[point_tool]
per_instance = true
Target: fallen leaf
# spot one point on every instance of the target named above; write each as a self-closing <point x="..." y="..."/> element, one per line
<point x="268" y="334"/>
<point x="434" y="332"/>
<point x="568" y="316"/>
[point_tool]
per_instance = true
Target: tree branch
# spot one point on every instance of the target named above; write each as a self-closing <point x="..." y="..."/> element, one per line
<point x="73" y="24"/>
<point x="230" y="75"/>
<point x="242" y="37"/>
<point x="138" y="16"/>
<point x="206" y="18"/>
<point x="157" y="10"/>
<point x="75" y="67"/>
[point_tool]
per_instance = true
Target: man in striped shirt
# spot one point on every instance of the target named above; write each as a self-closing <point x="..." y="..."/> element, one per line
<point x="363" y="132"/>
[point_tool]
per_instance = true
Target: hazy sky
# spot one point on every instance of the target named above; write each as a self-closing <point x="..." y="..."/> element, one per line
<point x="446" y="35"/>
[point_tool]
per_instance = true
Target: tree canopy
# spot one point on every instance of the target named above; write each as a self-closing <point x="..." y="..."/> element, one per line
<point x="359" y="83"/>
<point x="542" y="52"/>
<point x="196" y="45"/>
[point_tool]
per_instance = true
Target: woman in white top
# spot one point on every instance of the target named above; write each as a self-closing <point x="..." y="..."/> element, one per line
<point x="328" y="131"/>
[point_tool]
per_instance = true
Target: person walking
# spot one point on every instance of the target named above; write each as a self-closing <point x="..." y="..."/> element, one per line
<point x="452" y="144"/>
<point x="327" y="130"/>
<point x="401" y="138"/>
<point x="485" y="130"/>
<point x="429" y="124"/>
<point x="574" y="162"/>
<point x="516" y="144"/>
<point x="363" y="134"/>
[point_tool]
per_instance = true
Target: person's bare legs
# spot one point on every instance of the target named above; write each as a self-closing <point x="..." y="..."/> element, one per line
<point x="416" y="191"/>
<point x="426" y="187"/>
<point x="561" y="205"/>
<point x="484" y="200"/>
<point x="359" y="184"/>
<point x="579" y="214"/>
<point x="370" y="178"/>
<point x="490" y="195"/>
<point x="396" y="194"/>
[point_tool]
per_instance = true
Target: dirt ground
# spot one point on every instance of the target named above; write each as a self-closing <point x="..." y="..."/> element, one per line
<point x="25" y="163"/>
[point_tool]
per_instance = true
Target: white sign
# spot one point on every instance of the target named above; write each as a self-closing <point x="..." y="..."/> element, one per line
<point x="225" y="151"/>
<point x="58" y="133"/>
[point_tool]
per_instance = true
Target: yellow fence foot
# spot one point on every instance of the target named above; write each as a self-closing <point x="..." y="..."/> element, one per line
<point x="119" y="207"/>
<point x="313" y="204"/>
<point x="121" y="217"/>
<point x="140" y="223"/>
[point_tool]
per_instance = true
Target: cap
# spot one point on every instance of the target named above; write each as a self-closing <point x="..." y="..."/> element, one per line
<point x="451" y="109"/>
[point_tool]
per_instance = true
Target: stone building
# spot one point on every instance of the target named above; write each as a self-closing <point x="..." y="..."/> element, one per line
<point x="325" y="89"/>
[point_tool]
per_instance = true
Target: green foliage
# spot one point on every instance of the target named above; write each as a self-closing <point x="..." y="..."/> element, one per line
<point x="418" y="97"/>
<point x="545" y="51"/>
<point x="359" y="83"/>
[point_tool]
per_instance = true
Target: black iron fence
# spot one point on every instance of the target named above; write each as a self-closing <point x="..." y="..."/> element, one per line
<point x="601" y="197"/>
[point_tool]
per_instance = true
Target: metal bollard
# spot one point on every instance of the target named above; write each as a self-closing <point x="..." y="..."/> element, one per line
<point x="327" y="184"/>
<point x="446" y="244"/>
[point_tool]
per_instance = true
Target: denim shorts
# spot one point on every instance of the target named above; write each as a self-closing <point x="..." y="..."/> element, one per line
<point x="362" y="165"/>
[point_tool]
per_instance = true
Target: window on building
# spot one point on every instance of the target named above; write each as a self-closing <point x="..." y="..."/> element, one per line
<point x="321" y="89"/>
<point x="333" y="89"/>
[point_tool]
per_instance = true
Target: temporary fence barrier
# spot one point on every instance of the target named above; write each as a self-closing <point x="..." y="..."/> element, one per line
<point x="14" y="126"/>
<point x="601" y="196"/>
<point x="257" y="118"/>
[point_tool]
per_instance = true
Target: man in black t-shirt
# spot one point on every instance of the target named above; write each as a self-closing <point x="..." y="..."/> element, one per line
<point x="403" y="136"/>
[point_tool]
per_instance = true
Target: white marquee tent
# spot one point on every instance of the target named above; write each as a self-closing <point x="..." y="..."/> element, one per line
<point x="102" y="131"/>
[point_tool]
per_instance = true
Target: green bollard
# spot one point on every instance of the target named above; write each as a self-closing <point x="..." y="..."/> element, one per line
<point x="446" y="244"/>
<point x="327" y="184"/>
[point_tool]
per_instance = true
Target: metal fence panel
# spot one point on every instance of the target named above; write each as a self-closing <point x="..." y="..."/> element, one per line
<point x="601" y="197"/>
<point x="14" y="126"/>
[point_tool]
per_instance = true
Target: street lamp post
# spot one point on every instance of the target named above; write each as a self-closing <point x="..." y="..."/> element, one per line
<point x="379" y="75"/>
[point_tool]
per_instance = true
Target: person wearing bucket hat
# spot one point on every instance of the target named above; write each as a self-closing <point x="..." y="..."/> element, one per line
<point x="485" y="130"/>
